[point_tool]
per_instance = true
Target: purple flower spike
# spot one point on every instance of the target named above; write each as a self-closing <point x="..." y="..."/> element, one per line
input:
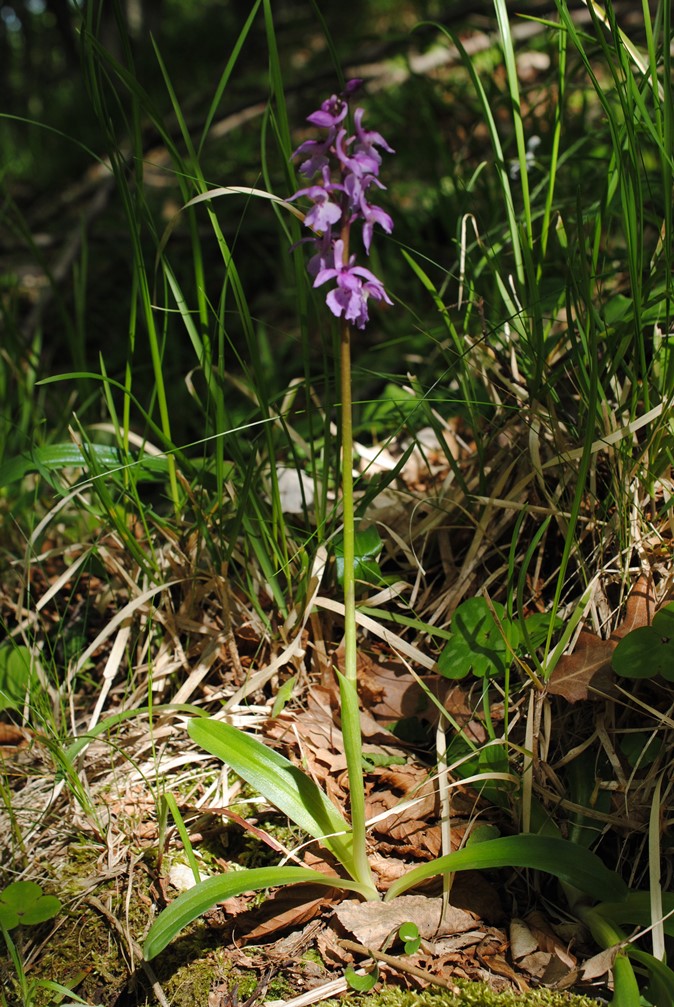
<point x="348" y="167"/>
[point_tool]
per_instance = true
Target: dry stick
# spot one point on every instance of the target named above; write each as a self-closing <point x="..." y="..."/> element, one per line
<point x="399" y="964"/>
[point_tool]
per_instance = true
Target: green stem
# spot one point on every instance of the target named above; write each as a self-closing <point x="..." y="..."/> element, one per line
<point x="13" y="953"/>
<point x="348" y="682"/>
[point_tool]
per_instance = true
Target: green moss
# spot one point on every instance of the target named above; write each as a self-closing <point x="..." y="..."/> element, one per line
<point x="469" y="995"/>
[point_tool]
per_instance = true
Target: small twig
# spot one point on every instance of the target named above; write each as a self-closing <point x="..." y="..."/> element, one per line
<point x="400" y="965"/>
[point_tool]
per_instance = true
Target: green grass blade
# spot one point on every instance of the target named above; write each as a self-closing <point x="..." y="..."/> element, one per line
<point x="564" y="860"/>
<point x="283" y="784"/>
<point x="503" y="20"/>
<point x="206" y="894"/>
<point x="499" y="158"/>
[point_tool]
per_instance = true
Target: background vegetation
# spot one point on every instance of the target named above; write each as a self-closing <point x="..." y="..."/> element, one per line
<point x="169" y="422"/>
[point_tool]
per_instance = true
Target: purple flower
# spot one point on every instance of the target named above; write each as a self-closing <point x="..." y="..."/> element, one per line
<point x="354" y="285"/>
<point x="324" y="212"/>
<point x="366" y="139"/>
<point x="355" y="186"/>
<point x="365" y="159"/>
<point x="331" y="112"/>
<point x="324" y="251"/>
<point x="318" y="158"/>
<point x="373" y="215"/>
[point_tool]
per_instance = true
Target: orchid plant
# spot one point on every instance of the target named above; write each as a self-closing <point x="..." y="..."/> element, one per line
<point x="342" y="170"/>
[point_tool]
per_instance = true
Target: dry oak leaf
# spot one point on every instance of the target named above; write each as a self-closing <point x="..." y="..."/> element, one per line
<point x="372" y="922"/>
<point x="12" y="737"/>
<point x="588" y="669"/>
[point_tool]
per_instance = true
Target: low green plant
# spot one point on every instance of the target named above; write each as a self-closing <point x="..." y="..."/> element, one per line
<point x="24" y="904"/>
<point x="649" y="650"/>
<point x="336" y="205"/>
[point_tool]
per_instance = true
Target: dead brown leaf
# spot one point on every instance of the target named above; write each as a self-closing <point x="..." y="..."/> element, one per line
<point x="12" y="737"/>
<point x="372" y="922"/>
<point x="286" y="908"/>
<point x="587" y="670"/>
<point x="537" y="950"/>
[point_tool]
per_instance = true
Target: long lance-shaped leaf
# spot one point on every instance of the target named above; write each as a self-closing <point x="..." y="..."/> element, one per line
<point x="564" y="860"/>
<point x="283" y="784"/>
<point x="208" y="893"/>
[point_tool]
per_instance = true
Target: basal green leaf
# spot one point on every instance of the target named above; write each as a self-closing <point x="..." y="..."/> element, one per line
<point x="208" y="893"/>
<point x="56" y="457"/>
<point x="636" y="911"/>
<point x="661" y="978"/>
<point x="640" y="653"/>
<point x="648" y="650"/>
<point x="277" y="779"/>
<point x="564" y="860"/>
<point x="409" y="934"/>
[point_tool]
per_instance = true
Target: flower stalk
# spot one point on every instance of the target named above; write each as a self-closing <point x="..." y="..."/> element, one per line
<point x="347" y="168"/>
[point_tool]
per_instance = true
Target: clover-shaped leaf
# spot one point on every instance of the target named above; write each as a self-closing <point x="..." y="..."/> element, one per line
<point x="479" y="642"/>
<point x="648" y="650"/>
<point x="25" y="902"/>
<point x="362" y="982"/>
<point x="410" y="936"/>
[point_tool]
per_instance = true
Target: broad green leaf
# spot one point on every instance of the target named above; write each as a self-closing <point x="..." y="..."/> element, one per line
<point x="564" y="860"/>
<point x="368" y="545"/>
<point x="661" y="978"/>
<point x="283" y="784"/>
<point x="482" y="834"/>
<point x="393" y="406"/>
<point x="208" y="893"/>
<point x="283" y="694"/>
<point x="648" y="650"/>
<point x="362" y="982"/>
<point x="409" y="934"/>
<point x="479" y="643"/>
<point x="625" y="986"/>
<point x="17" y="676"/>
<point x="55" y="457"/>
<point x="538" y="627"/>
<point x="640" y="749"/>
<point x="24" y="902"/>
